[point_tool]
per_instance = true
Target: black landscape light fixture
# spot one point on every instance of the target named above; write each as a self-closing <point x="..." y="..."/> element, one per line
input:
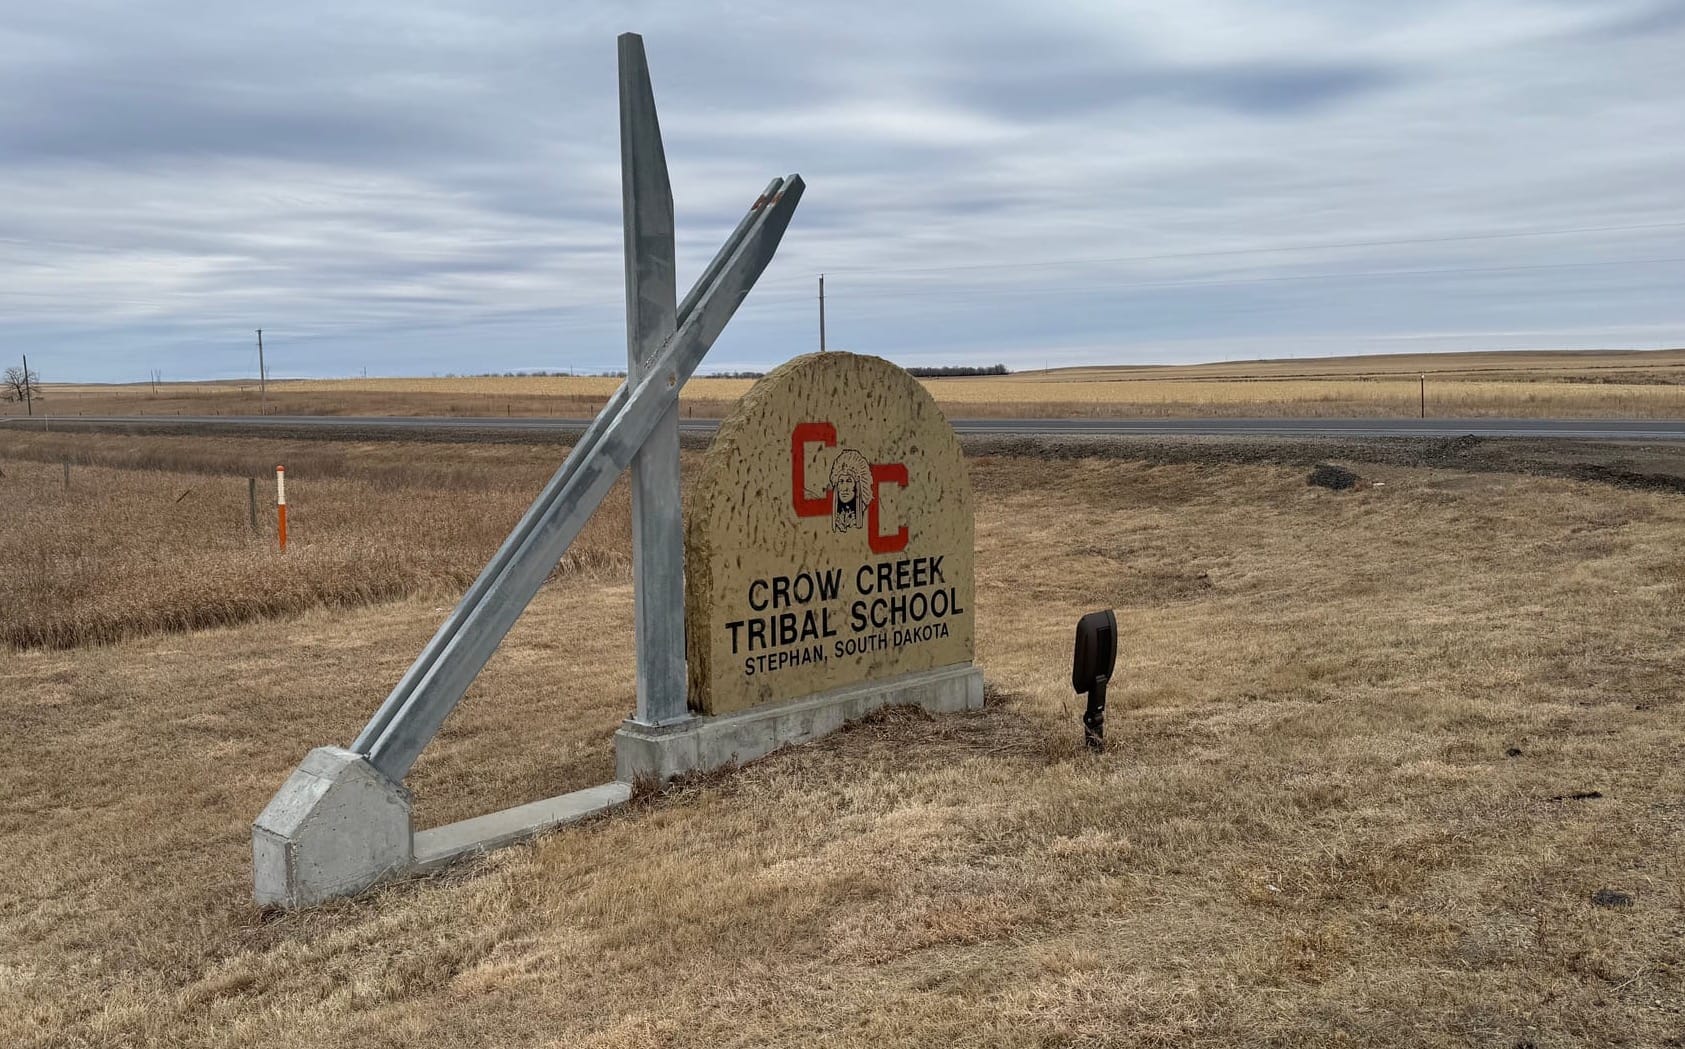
<point x="1091" y="668"/>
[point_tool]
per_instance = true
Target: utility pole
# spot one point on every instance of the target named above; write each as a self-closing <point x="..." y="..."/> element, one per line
<point x="262" y="378"/>
<point x="821" y="313"/>
<point x="28" y="398"/>
<point x="1424" y="395"/>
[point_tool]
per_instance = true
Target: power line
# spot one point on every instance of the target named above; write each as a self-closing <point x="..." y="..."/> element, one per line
<point x="1325" y="246"/>
<point x="1111" y="260"/>
<point x="963" y="294"/>
<point x="1044" y="290"/>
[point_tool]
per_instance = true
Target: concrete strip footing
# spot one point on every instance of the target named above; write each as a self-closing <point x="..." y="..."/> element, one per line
<point x="445" y="845"/>
<point x="661" y="752"/>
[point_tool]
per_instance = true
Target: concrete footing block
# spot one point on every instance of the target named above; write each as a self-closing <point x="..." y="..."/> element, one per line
<point x="662" y="752"/>
<point x="336" y="827"/>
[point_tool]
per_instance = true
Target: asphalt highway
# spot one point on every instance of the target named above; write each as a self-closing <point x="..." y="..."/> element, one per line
<point x="1559" y="429"/>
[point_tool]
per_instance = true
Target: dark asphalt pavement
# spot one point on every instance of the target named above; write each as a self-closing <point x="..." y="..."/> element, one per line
<point x="1569" y="429"/>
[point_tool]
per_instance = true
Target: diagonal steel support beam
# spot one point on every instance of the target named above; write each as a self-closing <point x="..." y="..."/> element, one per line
<point x="581" y="451"/>
<point x="658" y="561"/>
<point x="436" y="682"/>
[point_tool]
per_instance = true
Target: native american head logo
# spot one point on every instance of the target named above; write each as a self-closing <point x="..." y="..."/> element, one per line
<point x="851" y="482"/>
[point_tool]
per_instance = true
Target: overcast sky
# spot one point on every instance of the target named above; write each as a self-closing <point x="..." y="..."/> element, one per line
<point x="418" y="188"/>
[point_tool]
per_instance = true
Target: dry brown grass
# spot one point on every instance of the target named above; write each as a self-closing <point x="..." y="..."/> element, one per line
<point x="1309" y="831"/>
<point x="154" y="534"/>
<point x="1557" y="384"/>
<point x="481" y="397"/>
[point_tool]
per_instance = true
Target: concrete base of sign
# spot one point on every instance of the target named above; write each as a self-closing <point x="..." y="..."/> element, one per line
<point x="338" y="827"/>
<point x="661" y="752"/>
<point x="334" y="828"/>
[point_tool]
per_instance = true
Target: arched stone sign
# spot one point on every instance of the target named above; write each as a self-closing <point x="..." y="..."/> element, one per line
<point x="829" y="539"/>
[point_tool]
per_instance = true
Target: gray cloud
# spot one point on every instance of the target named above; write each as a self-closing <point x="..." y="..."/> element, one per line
<point x="1654" y="19"/>
<point x="1251" y="88"/>
<point x="429" y="187"/>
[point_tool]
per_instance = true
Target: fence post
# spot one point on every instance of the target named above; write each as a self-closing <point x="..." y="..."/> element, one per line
<point x="281" y="506"/>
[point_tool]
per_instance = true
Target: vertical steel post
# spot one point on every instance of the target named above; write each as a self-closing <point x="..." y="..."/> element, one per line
<point x="651" y="317"/>
<point x="821" y="313"/>
<point x="1094" y="716"/>
<point x="28" y="392"/>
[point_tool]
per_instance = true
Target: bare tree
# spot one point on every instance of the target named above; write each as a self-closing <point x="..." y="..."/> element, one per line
<point x="18" y="385"/>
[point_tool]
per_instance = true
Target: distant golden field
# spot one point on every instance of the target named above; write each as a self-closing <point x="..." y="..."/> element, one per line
<point x="1310" y="397"/>
<point x="1626" y="384"/>
<point x="701" y="388"/>
<point x="1632" y="366"/>
<point x="1092" y="392"/>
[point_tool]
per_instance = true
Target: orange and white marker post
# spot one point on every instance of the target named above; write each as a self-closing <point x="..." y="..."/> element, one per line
<point x="281" y="505"/>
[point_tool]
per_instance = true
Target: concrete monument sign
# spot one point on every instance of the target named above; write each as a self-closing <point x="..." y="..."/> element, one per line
<point x="830" y="538"/>
<point x="830" y="564"/>
<point x="828" y="556"/>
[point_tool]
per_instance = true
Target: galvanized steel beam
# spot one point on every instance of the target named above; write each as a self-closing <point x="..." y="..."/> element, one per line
<point x="432" y="687"/>
<point x="342" y="821"/>
<point x="658" y="560"/>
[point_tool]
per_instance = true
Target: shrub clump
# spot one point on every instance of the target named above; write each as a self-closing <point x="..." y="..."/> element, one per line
<point x="1337" y="478"/>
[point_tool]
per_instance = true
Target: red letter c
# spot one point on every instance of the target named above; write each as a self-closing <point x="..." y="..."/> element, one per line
<point x="803" y="435"/>
<point x="894" y="473"/>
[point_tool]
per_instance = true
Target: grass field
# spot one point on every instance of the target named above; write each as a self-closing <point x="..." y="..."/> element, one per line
<point x="156" y="534"/>
<point x="1623" y="384"/>
<point x="1372" y="755"/>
